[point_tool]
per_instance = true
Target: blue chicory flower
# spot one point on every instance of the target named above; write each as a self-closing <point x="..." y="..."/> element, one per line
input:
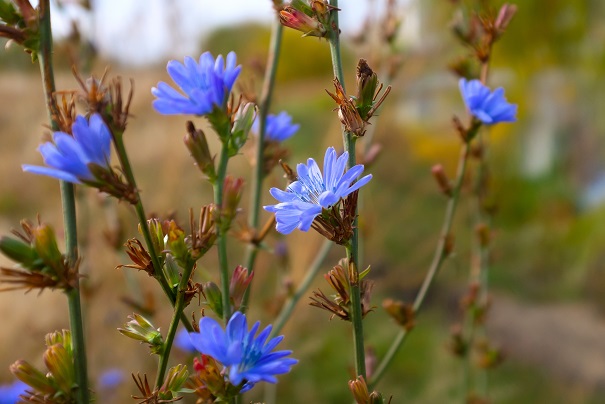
<point x="489" y="107"/>
<point x="110" y="379"/>
<point x="205" y="84"/>
<point x="183" y="342"/>
<point x="247" y="358"/>
<point x="69" y="157"/>
<point x="9" y="393"/>
<point x="278" y="127"/>
<point x="305" y="198"/>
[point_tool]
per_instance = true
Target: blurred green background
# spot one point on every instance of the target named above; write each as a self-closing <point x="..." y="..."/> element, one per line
<point x="547" y="273"/>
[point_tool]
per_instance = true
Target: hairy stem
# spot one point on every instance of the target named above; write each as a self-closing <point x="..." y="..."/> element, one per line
<point x="352" y="251"/>
<point x="69" y="209"/>
<point x="179" y="306"/>
<point x="258" y="178"/>
<point x="222" y="234"/>
<point x="140" y="211"/>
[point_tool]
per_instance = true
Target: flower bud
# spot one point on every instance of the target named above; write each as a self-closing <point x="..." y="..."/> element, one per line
<point x="140" y="329"/>
<point x="177" y="376"/>
<point x="18" y="251"/>
<point x="208" y="377"/>
<point x="239" y="283"/>
<point x="172" y="271"/>
<point x="367" y="82"/>
<point x="214" y="297"/>
<point x="62" y="337"/>
<point x="196" y="142"/>
<point x="31" y="376"/>
<point x="244" y="118"/>
<point x="359" y="388"/>
<point x="46" y="246"/>
<point x="60" y="365"/>
<point x="298" y="20"/>
<point x="175" y="242"/>
<point x="157" y="235"/>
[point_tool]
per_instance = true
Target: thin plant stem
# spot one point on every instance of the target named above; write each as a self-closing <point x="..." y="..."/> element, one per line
<point x="482" y="248"/>
<point x="259" y="174"/>
<point x="352" y="251"/>
<point x="179" y="306"/>
<point x="286" y="311"/>
<point x="222" y="234"/>
<point x="140" y="211"/>
<point x="69" y="209"/>
<point x="441" y="253"/>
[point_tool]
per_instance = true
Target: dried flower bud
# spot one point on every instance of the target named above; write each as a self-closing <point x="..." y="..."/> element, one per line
<point x="239" y="284"/>
<point x="347" y="111"/>
<point x="232" y="194"/>
<point x="196" y="142"/>
<point x="489" y="356"/>
<point x="214" y="297"/>
<point x="457" y="344"/>
<point x="141" y="260"/>
<point x="505" y="15"/>
<point x="442" y="180"/>
<point x="401" y="312"/>
<point x="483" y="234"/>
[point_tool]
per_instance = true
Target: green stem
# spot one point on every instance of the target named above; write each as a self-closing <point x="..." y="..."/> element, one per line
<point x="441" y="253"/>
<point x="69" y="209"/>
<point x="357" y="317"/>
<point x="142" y="217"/>
<point x="286" y="311"/>
<point x="257" y="179"/>
<point x="179" y="306"/>
<point x="352" y="251"/>
<point x="222" y="234"/>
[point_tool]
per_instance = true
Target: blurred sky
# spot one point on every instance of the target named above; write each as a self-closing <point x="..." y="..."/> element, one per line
<point x="138" y="32"/>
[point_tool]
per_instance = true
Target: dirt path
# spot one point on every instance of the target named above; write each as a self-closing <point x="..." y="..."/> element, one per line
<point x="566" y="339"/>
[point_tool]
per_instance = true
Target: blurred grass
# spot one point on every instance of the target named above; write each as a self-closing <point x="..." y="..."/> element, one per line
<point x="546" y="248"/>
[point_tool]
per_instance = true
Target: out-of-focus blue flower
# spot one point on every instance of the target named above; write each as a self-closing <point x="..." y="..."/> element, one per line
<point x="183" y="342"/>
<point x="69" y="157"/>
<point x="279" y="127"/>
<point x="9" y="393"/>
<point x="247" y="358"/>
<point x="110" y="379"/>
<point x="204" y="84"/>
<point x="304" y="199"/>
<point x="489" y="107"/>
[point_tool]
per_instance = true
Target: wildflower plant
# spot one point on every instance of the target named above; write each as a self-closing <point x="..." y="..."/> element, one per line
<point x="209" y="301"/>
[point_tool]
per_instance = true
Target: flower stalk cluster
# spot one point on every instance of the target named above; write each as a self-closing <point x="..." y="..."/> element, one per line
<point x="41" y="264"/>
<point x="58" y="383"/>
